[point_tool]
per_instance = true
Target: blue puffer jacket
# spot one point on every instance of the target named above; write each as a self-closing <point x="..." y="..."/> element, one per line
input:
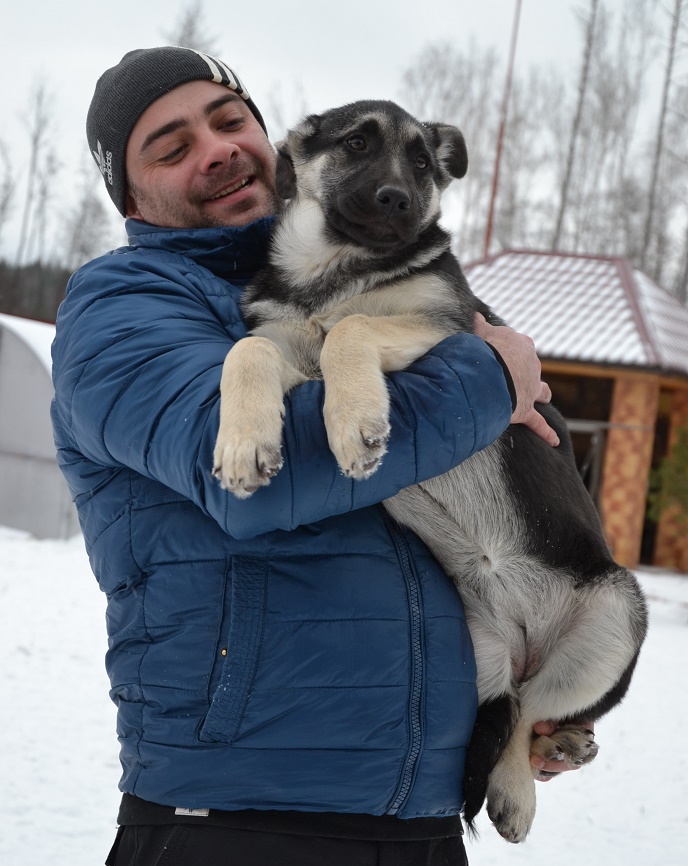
<point x="295" y="650"/>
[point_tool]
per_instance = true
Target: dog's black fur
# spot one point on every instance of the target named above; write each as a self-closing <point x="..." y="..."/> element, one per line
<point x="557" y="624"/>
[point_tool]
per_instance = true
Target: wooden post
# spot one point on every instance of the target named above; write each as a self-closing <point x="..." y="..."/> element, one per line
<point x="627" y="463"/>
<point x="671" y="543"/>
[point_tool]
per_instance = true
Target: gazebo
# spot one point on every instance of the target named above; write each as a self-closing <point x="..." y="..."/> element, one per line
<point x="614" y="349"/>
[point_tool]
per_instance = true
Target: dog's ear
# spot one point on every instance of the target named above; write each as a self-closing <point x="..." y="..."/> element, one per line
<point x="285" y="176"/>
<point x="451" y="148"/>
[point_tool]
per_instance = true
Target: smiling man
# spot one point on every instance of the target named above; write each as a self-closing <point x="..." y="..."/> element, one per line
<point x="293" y="676"/>
<point x="196" y="160"/>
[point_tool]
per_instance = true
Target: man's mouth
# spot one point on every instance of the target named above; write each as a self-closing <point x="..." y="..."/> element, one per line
<point x="240" y="184"/>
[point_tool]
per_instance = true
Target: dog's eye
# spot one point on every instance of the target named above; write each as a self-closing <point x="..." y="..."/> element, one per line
<point x="357" y="142"/>
<point x="422" y="161"/>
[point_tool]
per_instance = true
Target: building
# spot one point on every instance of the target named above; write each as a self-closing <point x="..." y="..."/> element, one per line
<point x="33" y="494"/>
<point x="614" y="349"/>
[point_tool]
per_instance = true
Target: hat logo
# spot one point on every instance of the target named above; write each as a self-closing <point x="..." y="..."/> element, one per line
<point x="104" y="161"/>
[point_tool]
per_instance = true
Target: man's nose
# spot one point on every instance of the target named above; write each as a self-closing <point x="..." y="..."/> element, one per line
<point x="216" y="150"/>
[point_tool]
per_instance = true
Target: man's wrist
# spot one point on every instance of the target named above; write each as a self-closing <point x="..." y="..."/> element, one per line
<point x="508" y="377"/>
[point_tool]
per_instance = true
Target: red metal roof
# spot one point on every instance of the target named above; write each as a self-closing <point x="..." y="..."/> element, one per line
<point x="591" y="309"/>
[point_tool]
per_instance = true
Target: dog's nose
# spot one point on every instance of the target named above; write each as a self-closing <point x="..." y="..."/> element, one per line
<point x="394" y="198"/>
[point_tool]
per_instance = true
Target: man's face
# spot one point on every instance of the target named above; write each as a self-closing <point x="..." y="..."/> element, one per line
<point x="198" y="158"/>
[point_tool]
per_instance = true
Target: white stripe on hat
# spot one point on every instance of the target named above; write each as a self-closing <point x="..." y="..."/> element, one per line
<point x="217" y="75"/>
<point x="232" y="80"/>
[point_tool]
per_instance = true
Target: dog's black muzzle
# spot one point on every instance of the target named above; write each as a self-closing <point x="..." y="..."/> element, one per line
<point x="385" y="216"/>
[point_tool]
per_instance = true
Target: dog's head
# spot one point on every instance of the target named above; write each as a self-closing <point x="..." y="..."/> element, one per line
<point x="375" y="171"/>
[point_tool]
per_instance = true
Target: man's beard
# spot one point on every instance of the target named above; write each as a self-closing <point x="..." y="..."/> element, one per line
<point x="173" y="212"/>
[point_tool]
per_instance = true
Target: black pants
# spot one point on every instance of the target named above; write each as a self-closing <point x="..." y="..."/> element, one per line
<point x="191" y="845"/>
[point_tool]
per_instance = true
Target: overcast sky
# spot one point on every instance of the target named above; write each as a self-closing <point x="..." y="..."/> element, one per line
<point x="324" y="54"/>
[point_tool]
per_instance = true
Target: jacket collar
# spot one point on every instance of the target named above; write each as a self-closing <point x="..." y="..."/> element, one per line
<point x="228" y="251"/>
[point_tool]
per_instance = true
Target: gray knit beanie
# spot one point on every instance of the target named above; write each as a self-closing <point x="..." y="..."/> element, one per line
<point x="125" y="91"/>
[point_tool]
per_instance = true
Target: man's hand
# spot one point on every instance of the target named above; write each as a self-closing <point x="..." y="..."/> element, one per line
<point x="548" y="770"/>
<point x="518" y="353"/>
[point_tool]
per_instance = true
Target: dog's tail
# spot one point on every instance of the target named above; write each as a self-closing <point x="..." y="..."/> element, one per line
<point x="493" y="726"/>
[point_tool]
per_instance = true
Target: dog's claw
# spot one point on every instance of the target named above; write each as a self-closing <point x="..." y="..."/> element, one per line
<point x="243" y="471"/>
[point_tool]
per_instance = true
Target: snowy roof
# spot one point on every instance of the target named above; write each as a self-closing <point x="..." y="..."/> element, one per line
<point x="585" y="308"/>
<point x="38" y="336"/>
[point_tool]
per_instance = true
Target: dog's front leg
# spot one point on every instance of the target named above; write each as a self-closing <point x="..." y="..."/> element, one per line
<point x="355" y="355"/>
<point x="255" y="378"/>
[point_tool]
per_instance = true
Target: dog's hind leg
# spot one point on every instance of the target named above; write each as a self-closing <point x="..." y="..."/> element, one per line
<point x="511" y="788"/>
<point x="255" y="378"/>
<point x="583" y="674"/>
<point x="494" y="725"/>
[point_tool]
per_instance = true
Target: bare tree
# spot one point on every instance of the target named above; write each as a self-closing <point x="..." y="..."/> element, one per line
<point x="536" y="121"/>
<point x="575" y="128"/>
<point x="38" y="124"/>
<point x="7" y="186"/>
<point x="463" y="88"/>
<point x="190" y="32"/>
<point x="603" y="204"/>
<point x="45" y="186"/>
<point x="659" y="141"/>
<point x="283" y="110"/>
<point x="86" y="226"/>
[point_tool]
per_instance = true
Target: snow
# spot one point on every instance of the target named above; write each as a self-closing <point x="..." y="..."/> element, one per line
<point x="58" y="752"/>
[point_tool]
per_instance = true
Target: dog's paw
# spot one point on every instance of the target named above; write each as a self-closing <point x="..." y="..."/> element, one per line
<point x="573" y="745"/>
<point x="511" y="810"/>
<point x="511" y="797"/>
<point x="242" y="464"/>
<point x="358" y="446"/>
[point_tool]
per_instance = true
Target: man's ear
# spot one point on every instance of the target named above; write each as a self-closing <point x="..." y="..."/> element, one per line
<point x="132" y="209"/>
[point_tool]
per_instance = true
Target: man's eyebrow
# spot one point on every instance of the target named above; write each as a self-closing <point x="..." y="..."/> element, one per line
<point x="218" y="103"/>
<point x="174" y="125"/>
<point x="168" y="128"/>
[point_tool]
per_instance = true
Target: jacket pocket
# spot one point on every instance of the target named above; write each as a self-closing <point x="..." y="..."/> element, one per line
<point x="228" y="705"/>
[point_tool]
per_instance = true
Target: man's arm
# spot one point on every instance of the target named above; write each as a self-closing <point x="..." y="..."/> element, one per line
<point x="137" y="382"/>
<point x="137" y="362"/>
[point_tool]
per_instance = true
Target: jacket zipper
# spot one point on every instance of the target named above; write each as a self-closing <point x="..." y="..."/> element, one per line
<point x="415" y="702"/>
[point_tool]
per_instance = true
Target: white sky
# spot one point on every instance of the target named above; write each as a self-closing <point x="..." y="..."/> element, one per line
<point x="329" y="53"/>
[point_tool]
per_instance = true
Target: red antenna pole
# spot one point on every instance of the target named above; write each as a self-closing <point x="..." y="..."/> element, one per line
<point x="502" y="126"/>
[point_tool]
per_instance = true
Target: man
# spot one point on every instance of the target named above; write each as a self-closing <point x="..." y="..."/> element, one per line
<point x="294" y="679"/>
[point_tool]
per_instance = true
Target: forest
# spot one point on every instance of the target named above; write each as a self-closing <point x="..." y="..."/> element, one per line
<point x="595" y="162"/>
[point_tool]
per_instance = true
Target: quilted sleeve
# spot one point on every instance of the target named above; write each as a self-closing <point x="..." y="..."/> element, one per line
<point x="137" y="377"/>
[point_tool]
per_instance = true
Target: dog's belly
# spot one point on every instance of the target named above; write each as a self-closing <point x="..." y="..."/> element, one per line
<point x="516" y="606"/>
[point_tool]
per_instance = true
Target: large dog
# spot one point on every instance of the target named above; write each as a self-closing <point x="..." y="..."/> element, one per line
<point x="361" y="281"/>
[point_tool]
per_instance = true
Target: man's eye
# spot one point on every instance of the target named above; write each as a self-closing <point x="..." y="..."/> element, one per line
<point x="172" y="155"/>
<point x="422" y="161"/>
<point x="232" y="124"/>
<point x="357" y="142"/>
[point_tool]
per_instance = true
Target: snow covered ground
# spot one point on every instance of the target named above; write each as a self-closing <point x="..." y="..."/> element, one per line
<point x="58" y="751"/>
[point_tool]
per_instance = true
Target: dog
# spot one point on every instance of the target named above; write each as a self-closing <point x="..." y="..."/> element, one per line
<point x="361" y="281"/>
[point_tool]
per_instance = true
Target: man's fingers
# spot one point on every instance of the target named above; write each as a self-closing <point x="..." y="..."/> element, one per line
<point x="480" y="324"/>
<point x="544" y="395"/>
<point x="535" y="422"/>
<point x="545" y="728"/>
<point x="517" y="351"/>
